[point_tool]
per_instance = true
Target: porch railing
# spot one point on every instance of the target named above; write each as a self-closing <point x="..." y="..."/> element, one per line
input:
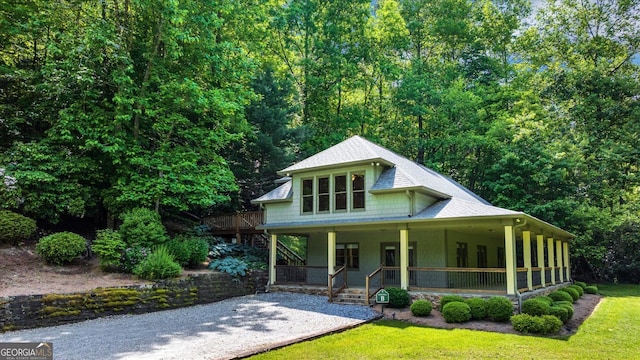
<point x="547" y="276"/>
<point x="337" y="282"/>
<point x="373" y="283"/>
<point x="522" y="279"/>
<point x="301" y="275"/>
<point x="536" y="278"/>
<point x="458" y="279"/>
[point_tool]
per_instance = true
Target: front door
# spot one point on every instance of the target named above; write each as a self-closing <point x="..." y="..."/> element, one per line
<point x="391" y="258"/>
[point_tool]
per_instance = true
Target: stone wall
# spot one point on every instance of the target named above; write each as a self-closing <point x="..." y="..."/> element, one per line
<point x="29" y="311"/>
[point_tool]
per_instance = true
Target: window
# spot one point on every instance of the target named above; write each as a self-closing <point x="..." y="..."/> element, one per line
<point x="482" y="256"/>
<point x="323" y="194"/>
<point x="357" y="189"/>
<point x="462" y="256"/>
<point x="340" y="189"/>
<point x="307" y="196"/>
<point x="501" y="258"/>
<point x="348" y="254"/>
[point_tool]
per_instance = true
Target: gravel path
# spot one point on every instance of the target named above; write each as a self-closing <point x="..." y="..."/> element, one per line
<point x="222" y="330"/>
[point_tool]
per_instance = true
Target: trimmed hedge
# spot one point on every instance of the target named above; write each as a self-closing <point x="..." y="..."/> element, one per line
<point x="456" y="312"/>
<point x="561" y="312"/>
<point x="421" y="308"/>
<point x="591" y="289"/>
<point x="528" y="324"/>
<point x="478" y="308"/>
<point x="398" y="298"/>
<point x="546" y="299"/>
<point x="561" y="296"/>
<point x="535" y="307"/>
<point x="565" y="304"/>
<point x="499" y="308"/>
<point x="582" y="284"/>
<point x="15" y="227"/>
<point x="450" y="298"/>
<point x="577" y="288"/>
<point x="61" y="248"/>
<point x="573" y="292"/>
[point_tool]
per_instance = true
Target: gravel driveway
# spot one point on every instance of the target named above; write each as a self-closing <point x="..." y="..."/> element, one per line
<point x="222" y="330"/>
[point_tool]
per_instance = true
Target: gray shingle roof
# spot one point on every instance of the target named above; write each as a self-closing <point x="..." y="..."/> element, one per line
<point x="458" y="208"/>
<point x="281" y="193"/>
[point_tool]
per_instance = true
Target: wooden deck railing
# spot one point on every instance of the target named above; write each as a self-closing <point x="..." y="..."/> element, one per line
<point x="458" y="279"/>
<point x="301" y="275"/>
<point x="337" y="282"/>
<point x="374" y="281"/>
<point x="237" y="221"/>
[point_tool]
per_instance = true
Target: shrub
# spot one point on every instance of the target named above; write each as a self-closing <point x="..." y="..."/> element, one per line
<point x="578" y="289"/>
<point x="546" y="299"/>
<point x="133" y="256"/>
<point x="565" y="304"/>
<point x="456" y="312"/>
<point x="450" y="298"/>
<point x="230" y="265"/>
<point x="551" y="324"/>
<point x="572" y="292"/>
<point x="535" y="307"/>
<point x="15" y="227"/>
<point x="591" y="289"/>
<point x="142" y="227"/>
<point x="109" y="247"/>
<point x="179" y="250"/>
<point x="198" y="251"/>
<point x="560" y="296"/>
<point x="478" y="308"/>
<point x="61" y="247"/>
<point x="158" y="265"/>
<point x="421" y="308"/>
<point x="582" y="284"/>
<point x="527" y="324"/>
<point x="561" y="312"/>
<point x="499" y="308"/>
<point x="398" y="298"/>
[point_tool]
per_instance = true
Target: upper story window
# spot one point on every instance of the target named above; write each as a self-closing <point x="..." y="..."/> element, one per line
<point x="357" y="190"/>
<point x="307" y="196"/>
<point x="334" y="193"/>
<point x="323" y="194"/>
<point x="340" y="192"/>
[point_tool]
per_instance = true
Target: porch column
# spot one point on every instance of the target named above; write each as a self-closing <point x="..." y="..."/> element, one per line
<point x="510" y="261"/>
<point x="273" y="250"/>
<point x="404" y="259"/>
<point x="551" y="260"/>
<point x="331" y="253"/>
<point x="541" y="265"/>
<point x="566" y="260"/>
<point x="559" y="259"/>
<point x="526" y="248"/>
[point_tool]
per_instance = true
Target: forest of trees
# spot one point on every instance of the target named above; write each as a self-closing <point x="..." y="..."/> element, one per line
<point x="192" y="105"/>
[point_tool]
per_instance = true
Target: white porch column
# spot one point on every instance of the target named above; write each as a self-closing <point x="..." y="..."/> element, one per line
<point x="551" y="260"/>
<point x="273" y="258"/>
<point x="510" y="261"/>
<point x="331" y="253"/>
<point x="541" y="264"/>
<point x="526" y="249"/>
<point x="559" y="259"/>
<point x="404" y="259"/>
<point x="566" y="260"/>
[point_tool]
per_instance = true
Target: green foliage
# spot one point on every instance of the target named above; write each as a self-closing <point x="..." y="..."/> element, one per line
<point x="398" y="298"/>
<point x="253" y="257"/>
<point x="572" y="292"/>
<point x="178" y="248"/>
<point x="188" y="250"/>
<point x="421" y="308"/>
<point x="591" y="289"/>
<point x="456" y="312"/>
<point x="61" y="248"/>
<point x="551" y="324"/>
<point x="560" y="312"/>
<point x="450" y="298"/>
<point x="158" y="265"/>
<point x="109" y="247"/>
<point x="546" y="299"/>
<point x="478" y="308"/>
<point x="577" y="288"/>
<point x="527" y="324"/>
<point x="582" y="284"/>
<point x="132" y="256"/>
<point x="198" y="250"/>
<point x="535" y="307"/>
<point x="230" y="265"/>
<point x="565" y="304"/>
<point x="499" y="308"/>
<point x="15" y="227"/>
<point x="560" y="296"/>
<point x="142" y="227"/>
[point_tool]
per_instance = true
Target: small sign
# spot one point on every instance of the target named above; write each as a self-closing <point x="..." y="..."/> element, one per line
<point x="382" y="296"/>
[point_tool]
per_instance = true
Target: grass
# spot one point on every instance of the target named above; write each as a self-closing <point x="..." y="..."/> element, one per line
<point x="609" y="333"/>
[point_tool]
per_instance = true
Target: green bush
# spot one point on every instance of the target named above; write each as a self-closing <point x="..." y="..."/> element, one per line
<point x="565" y="304"/>
<point x="132" y="256"/>
<point x="61" y="248"/>
<point x="456" y="312"/>
<point x="499" y="308"/>
<point x="158" y="265"/>
<point x="15" y="227"/>
<point x="591" y="289"/>
<point x="142" y="227"/>
<point x="551" y="324"/>
<point x="450" y="298"/>
<point x="398" y="298"/>
<point x="109" y="247"/>
<point x="180" y="251"/>
<point x="421" y="308"/>
<point x="198" y="251"/>
<point x="527" y="324"/>
<point x="230" y="265"/>
<point x="535" y="307"/>
<point x="577" y="288"/>
<point x="561" y="312"/>
<point x="478" y="308"/>
<point x="561" y="296"/>
<point x="572" y="292"/>
<point x="546" y="299"/>
<point x="582" y="284"/>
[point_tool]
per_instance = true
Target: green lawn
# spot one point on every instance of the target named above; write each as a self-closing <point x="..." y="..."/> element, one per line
<point x="612" y="332"/>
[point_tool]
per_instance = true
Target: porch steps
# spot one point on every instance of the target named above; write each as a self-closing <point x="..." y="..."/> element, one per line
<point x="351" y="296"/>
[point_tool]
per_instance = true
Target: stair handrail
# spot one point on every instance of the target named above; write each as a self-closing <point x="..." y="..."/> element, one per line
<point x="333" y="293"/>
<point x="367" y="280"/>
<point x="288" y="253"/>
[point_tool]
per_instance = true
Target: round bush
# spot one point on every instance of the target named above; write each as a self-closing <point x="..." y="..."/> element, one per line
<point x="560" y="312"/>
<point x="15" y="227"/>
<point x="421" y="308"/>
<point x="142" y="227"/>
<point x="448" y="299"/>
<point x="565" y="304"/>
<point x="478" y="308"/>
<point x="456" y="312"/>
<point x="582" y="284"/>
<point x="560" y="296"/>
<point x="61" y="248"/>
<point x="158" y="265"/>
<point x="535" y="307"/>
<point x="577" y="288"/>
<point x="398" y="298"/>
<point x="109" y="247"/>
<point x="499" y="308"/>
<point x="546" y="299"/>
<point x="527" y="324"/>
<point x="551" y="324"/>
<point x="591" y="289"/>
<point x="572" y="292"/>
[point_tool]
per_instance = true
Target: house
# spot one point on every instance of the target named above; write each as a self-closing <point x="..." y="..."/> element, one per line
<point x="373" y="218"/>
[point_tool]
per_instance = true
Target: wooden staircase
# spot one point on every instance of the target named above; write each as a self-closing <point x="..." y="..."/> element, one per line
<point x="355" y="296"/>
